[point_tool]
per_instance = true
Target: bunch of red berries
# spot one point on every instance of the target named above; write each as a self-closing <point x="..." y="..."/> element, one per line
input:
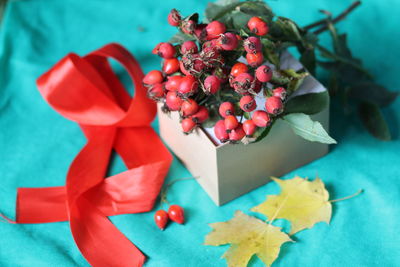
<point x="175" y="213"/>
<point x="217" y="70"/>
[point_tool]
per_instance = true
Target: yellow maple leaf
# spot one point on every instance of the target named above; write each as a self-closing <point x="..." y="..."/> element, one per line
<point x="302" y="202"/>
<point x="247" y="236"/>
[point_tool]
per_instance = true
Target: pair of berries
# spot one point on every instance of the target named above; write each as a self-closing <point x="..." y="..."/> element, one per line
<point x="175" y="213"/>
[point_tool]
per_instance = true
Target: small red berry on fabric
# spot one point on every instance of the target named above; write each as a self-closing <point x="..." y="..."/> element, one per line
<point x="255" y="59"/>
<point x="261" y="118"/>
<point x="249" y="127"/>
<point x="212" y="84"/>
<point x="280" y="92"/>
<point x="174" y="18"/>
<point x="170" y="66"/>
<point x="252" y="45"/>
<point x="274" y="105"/>
<point x="264" y="73"/>
<point x="220" y="131"/>
<point x="214" y="29"/>
<point x="176" y="214"/>
<point x="153" y="77"/>
<point x="161" y="218"/>
<point x="188" y="125"/>
<point x="226" y="109"/>
<point x="258" y="26"/>
<point x="247" y="103"/>
<point x="189" y="107"/>
<point x="201" y="115"/>
<point x="173" y="101"/>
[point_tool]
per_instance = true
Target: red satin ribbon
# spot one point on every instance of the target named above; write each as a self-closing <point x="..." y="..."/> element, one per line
<point x="86" y="90"/>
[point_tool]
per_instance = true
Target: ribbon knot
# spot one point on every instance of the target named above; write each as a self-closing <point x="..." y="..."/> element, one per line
<point x="86" y="90"/>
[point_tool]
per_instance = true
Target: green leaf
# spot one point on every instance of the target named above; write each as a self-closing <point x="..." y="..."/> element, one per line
<point x="180" y="38"/>
<point x="217" y="10"/>
<point x="374" y="121"/>
<point x="308" y="104"/>
<point x="261" y="133"/>
<point x="287" y="29"/>
<point x="310" y="130"/>
<point x="257" y="9"/>
<point x="213" y="117"/>
<point x="373" y="93"/>
<point x="308" y="60"/>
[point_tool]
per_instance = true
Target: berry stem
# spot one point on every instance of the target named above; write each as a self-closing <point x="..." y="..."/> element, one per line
<point x="348" y="197"/>
<point x="163" y="195"/>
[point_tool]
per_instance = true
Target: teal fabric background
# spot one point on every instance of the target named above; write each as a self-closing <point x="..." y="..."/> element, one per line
<point x="37" y="145"/>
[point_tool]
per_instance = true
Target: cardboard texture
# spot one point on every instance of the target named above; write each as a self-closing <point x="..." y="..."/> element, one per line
<point x="227" y="171"/>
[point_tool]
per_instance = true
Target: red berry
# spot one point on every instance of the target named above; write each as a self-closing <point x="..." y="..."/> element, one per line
<point x="187" y="125"/>
<point x="238" y="69"/>
<point x="243" y="83"/>
<point x="182" y="68"/>
<point x="176" y="214"/>
<point x="161" y="219"/>
<point x="280" y="92"/>
<point x="189" y="47"/>
<point x="237" y="134"/>
<point x="153" y="77"/>
<point x="200" y="31"/>
<point x="258" y="26"/>
<point x="156" y="91"/>
<point x="220" y="131"/>
<point x="231" y="122"/>
<point x="156" y="48"/>
<point x="264" y="74"/>
<point x="247" y="103"/>
<point x="226" y="109"/>
<point x="228" y="41"/>
<point x="212" y="84"/>
<point x="189" y="107"/>
<point x="261" y="118"/>
<point x="252" y="45"/>
<point x="173" y="101"/>
<point x="274" y="105"/>
<point x="188" y="26"/>
<point x="255" y="60"/>
<point x="201" y="115"/>
<point x="166" y="50"/>
<point x="249" y="127"/>
<point x="171" y="65"/>
<point x="214" y="29"/>
<point x="173" y="82"/>
<point x="188" y="85"/>
<point x="174" y="18"/>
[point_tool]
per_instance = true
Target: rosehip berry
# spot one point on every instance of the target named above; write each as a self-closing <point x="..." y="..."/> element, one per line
<point x="247" y="103"/>
<point x="261" y="118"/>
<point x="173" y="101"/>
<point x="153" y="77"/>
<point x="189" y="107"/>
<point x="156" y="48"/>
<point x="237" y="134"/>
<point x="214" y="29"/>
<point x="226" y="109"/>
<point x="188" y="26"/>
<point x="238" y="69"/>
<point x="176" y="214"/>
<point x="243" y="83"/>
<point x="161" y="218"/>
<point x="255" y="60"/>
<point x="280" y="92"/>
<point x="258" y="26"/>
<point x="220" y="131"/>
<point x="188" y="125"/>
<point x="249" y="127"/>
<point x="201" y="115"/>
<point x="231" y="122"/>
<point x="156" y="91"/>
<point x="264" y="74"/>
<point x="183" y="68"/>
<point x="173" y="82"/>
<point x="212" y="84"/>
<point x="166" y="50"/>
<point x="274" y="105"/>
<point x="200" y="31"/>
<point x="228" y="41"/>
<point x="252" y="45"/>
<point x="188" y="85"/>
<point x="174" y="18"/>
<point x="189" y="47"/>
<point x="171" y="65"/>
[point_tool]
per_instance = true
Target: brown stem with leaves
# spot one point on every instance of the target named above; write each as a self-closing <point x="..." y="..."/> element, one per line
<point x="335" y="20"/>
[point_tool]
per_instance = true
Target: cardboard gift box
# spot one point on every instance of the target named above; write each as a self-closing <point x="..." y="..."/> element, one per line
<point x="227" y="171"/>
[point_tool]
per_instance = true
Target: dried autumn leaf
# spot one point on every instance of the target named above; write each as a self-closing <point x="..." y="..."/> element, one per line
<point x="247" y="236"/>
<point x="302" y="202"/>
